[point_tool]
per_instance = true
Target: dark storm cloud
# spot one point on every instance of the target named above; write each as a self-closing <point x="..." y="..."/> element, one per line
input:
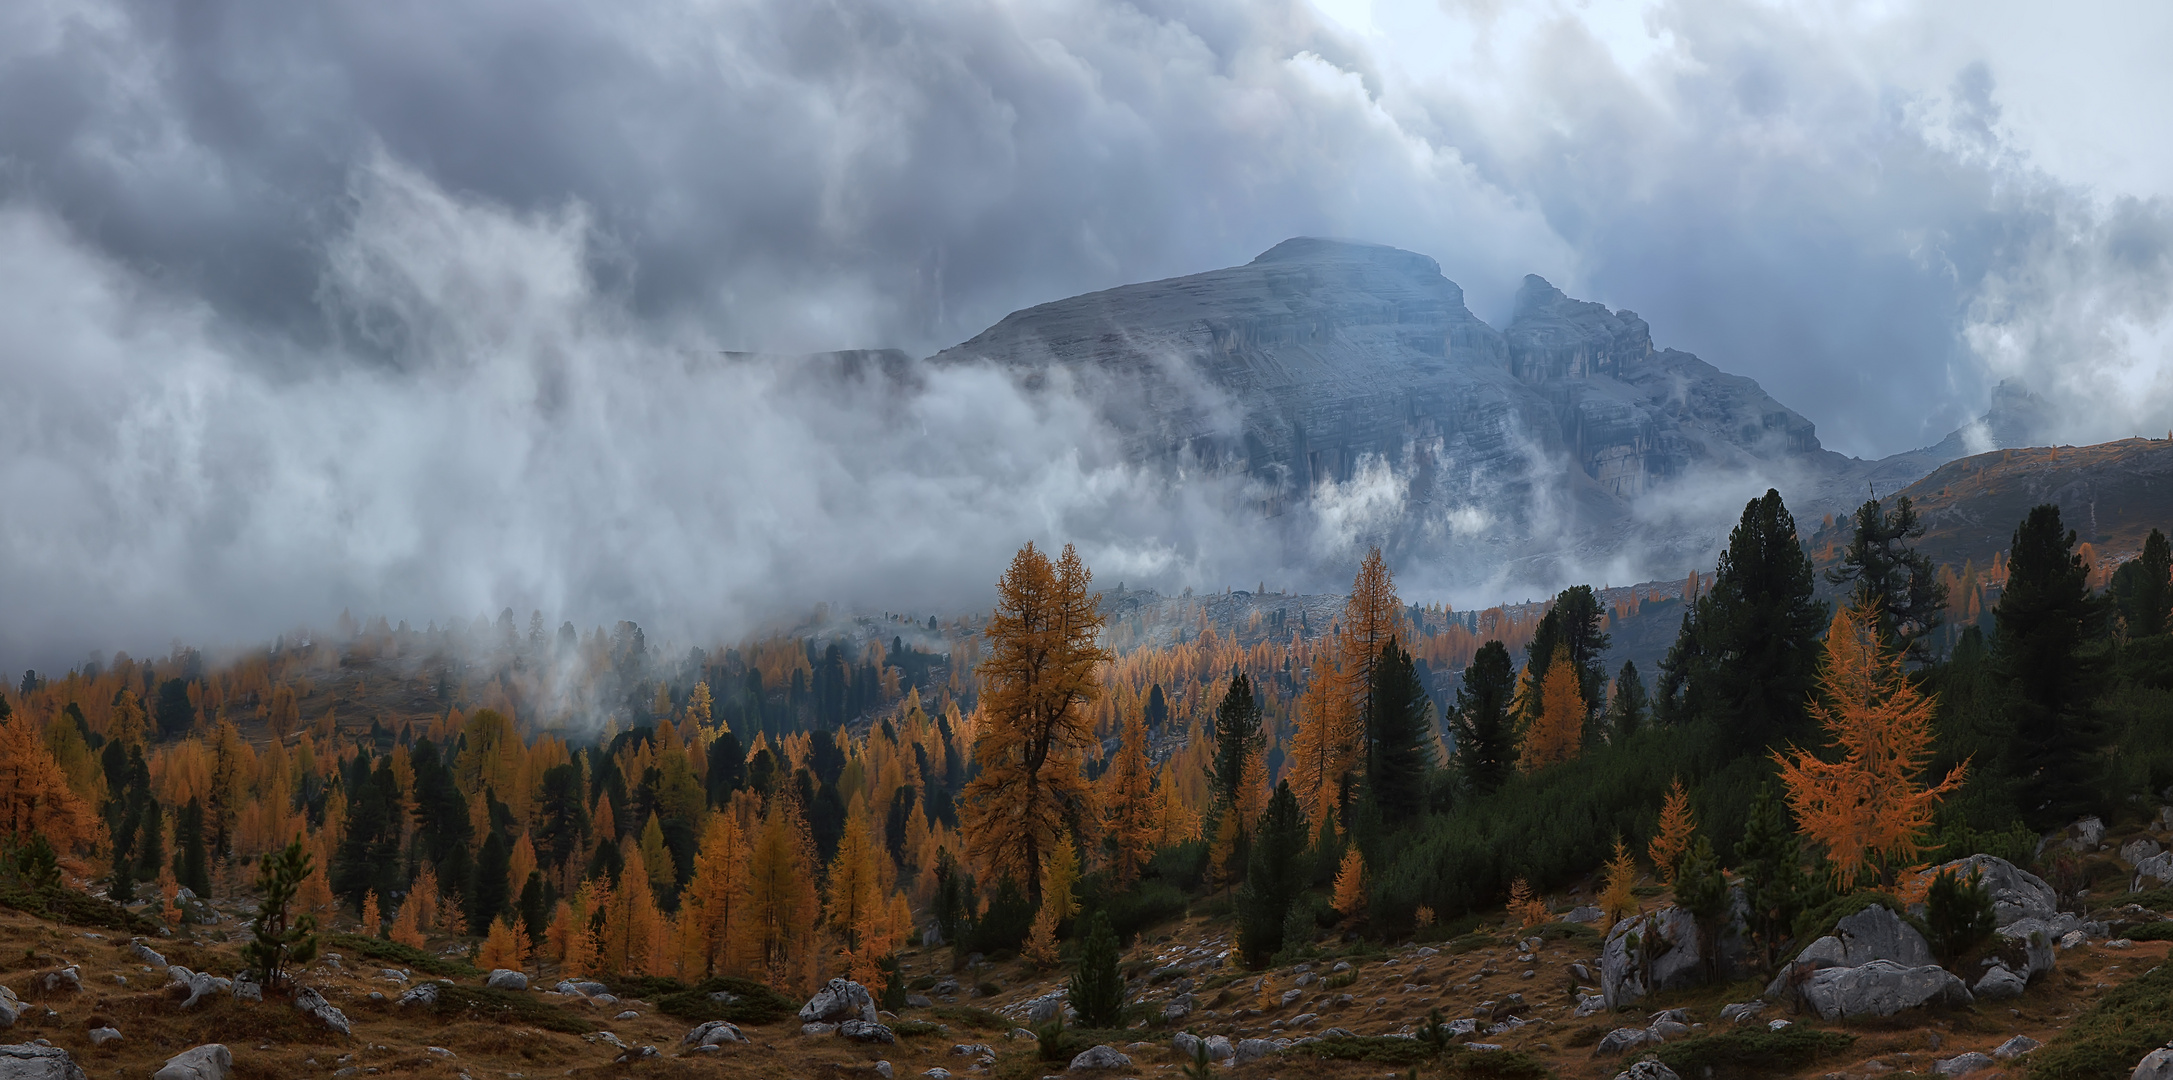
<point x="414" y="307"/>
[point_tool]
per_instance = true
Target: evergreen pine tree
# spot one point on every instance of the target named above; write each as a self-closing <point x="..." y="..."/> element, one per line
<point x="2046" y="618"/>
<point x="191" y="868"/>
<point x="1273" y="877"/>
<point x="1574" y="623"/>
<point x="1485" y="738"/>
<point x="1399" y="738"/>
<point x="2142" y="589"/>
<point x="1769" y="857"/>
<point x="1626" y="713"/>
<point x="278" y="942"/>
<point x="1237" y="738"/>
<point x="492" y="865"/>
<point x="1881" y="569"/>
<point x="1750" y="660"/>
<point x="1097" y="987"/>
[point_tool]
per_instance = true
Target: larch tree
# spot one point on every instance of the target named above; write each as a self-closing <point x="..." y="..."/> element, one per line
<point x="1618" y="898"/>
<point x="1315" y="759"/>
<point x="1372" y="617"/>
<point x="1557" y="730"/>
<point x="856" y="907"/>
<point x="707" y="907"/>
<point x="1350" y="884"/>
<point x="1868" y="810"/>
<point x="1671" y="840"/>
<point x="35" y="799"/>
<point x="779" y="909"/>
<point x="1040" y="676"/>
<point x="1132" y="815"/>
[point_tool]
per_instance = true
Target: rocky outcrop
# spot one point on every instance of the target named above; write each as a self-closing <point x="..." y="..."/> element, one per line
<point x="211" y="1061"/>
<point x="506" y="979"/>
<point x="2156" y="1065"/>
<point x="1098" y="1057"/>
<point x="2016" y="893"/>
<point x="839" y="1000"/>
<point x="714" y="1033"/>
<point x="1880" y="988"/>
<point x="30" y="1061"/>
<point x="1664" y="951"/>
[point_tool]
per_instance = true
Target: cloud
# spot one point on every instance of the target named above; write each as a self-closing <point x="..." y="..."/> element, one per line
<point x="418" y="307"/>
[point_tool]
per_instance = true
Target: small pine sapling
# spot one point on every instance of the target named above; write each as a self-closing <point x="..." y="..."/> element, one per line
<point x="280" y="942"/>
<point x="1529" y="910"/>
<point x="1097" y="987"/>
<point x="1702" y="889"/>
<point x="1958" y="913"/>
<point x="1350" y="886"/>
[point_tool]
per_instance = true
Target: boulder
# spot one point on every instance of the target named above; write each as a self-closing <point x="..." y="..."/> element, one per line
<point x="1962" y="1064"/>
<point x="2135" y="851"/>
<point x="313" y="1003"/>
<point x="11" y="1007"/>
<point x="1880" y="988"/>
<point x="2155" y="872"/>
<point x="246" y="988"/>
<point x="1999" y="984"/>
<point x="1098" y="1057"/>
<point x="1249" y="1050"/>
<point x="30" y="1061"/>
<point x="1219" y="1048"/>
<point x="2087" y="834"/>
<point x="2156" y="1065"/>
<point x="100" y="1036"/>
<point x="1740" y="1011"/>
<point x="1043" y="1009"/>
<point x="866" y="1031"/>
<point x="211" y="1061"/>
<point x="932" y="935"/>
<point x="2015" y="1047"/>
<point x="1186" y="1044"/>
<point x="714" y="1033"/>
<point x="2016" y="893"/>
<point x="582" y="989"/>
<point x="1177" y="1008"/>
<point x="420" y="994"/>
<point x="818" y="1028"/>
<point x="146" y="953"/>
<point x="1590" y="1005"/>
<point x="1621" y="1041"/>
<point x="1875" y="933"/>
<point x="2034" y="939"/>
<point x="199" y="984"/>
<point x="839" y="1000"/>
<point x="506" y="979"/>
<point x="1647" y="1070"/>
<point x="1653" y="953"/>
<point x="1583" y="914"/>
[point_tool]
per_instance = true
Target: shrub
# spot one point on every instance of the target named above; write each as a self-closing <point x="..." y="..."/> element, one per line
<point x="394" y="954"/>
<point x="1147" y="905"/>
<point x="2129" y="1021"/>
<point x="969" y="1017"/>
<point x="276" y="943"/>
<point x="1003" y="927"/>
<point x="1958" y="914"/>
<point x="745" y="1002"/>
<point x="1754" y="1053"/>
<point x="1097" y="988"/>
<point x="503" y="1006"/>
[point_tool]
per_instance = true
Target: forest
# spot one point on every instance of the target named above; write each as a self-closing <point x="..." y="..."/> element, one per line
<point x="792" y="808"/>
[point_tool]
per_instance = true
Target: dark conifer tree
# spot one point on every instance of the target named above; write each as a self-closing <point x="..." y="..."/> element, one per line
<point x="2045" y="619"/>
<point x="1237" y="737"/>
<point x="1485" y="737"/>
<point x="191" y="868"/>
<point x="727" y="767"/>
<point x="535" y="907"/>
<point x="369" y="852"/>
<point x="1880" y="567"/>
<point x="492" y="865"/>
<point x="562" y="816"/>
<point x="1751" y="659"/>
<point x="1273" y="877"/>
<point x="2142" y="589"/>
<point x="1399" y="738"/>
<point x="1097" y="986"/>
<point x="1626" y="713"/>
<point x="1575" y="621"/>
<point x="1157" y="711"/>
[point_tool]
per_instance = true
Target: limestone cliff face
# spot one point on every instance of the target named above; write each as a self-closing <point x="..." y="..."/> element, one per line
<point x="1320" y="354"/>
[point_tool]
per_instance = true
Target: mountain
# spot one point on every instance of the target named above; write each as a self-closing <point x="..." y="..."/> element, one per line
<point x="1323" y="365"/>
<point x="2112" y="494"/>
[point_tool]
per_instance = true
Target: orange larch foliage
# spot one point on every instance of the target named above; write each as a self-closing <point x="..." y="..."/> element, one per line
<point x="779" y="912"/>
<point x="406" y="929"/>
<point x="1867" y="810"/>
<point x="1133" y="814"/>
<point x="1036" y="723"/>
<point x="502" y="948"/>
<point x="35" y="799"/>
<point x="1673" y="836"/>
<point x="856" y="912"/>
<point x="1528" y="909"/>
<point x="1558" y="732"/>
<point x="371" y="922"/>
<point x="1350" y="884"/>
<point x="706" y="907"/>
<point x="1618" y="898"/>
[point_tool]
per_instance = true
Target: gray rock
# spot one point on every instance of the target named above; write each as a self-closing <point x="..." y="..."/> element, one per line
<point x="1249" y="1050"/>
<point x="1098" y="1057"/>
<point x="246" y="988"/>
<point x="420" y="994"/>
<point x="11" y="1007"/>
<point x="1663" y="1030"/>
<point x="31" y="1061"/>
<point x="67" y="980"/>
<point x="2036" y="939"/>
<point x="1876" y="933"/>
<point x="313" y="1003"/>
<point x="1177" y="1008"/>
<point x="1590" y="1005"/>
<point x="1880" y="988"/>
<point x="882" y="1069"/>
<point x="1621" y="1041"/>
<point x="1647" y="1070"/>
<point x="1219" y="1048"/>
<point x="1742" y="1010"/>
<point x="839" y="1000"/>
<point x="1666" y="956"/>
<point x="584" y="988"/>
<point x="1999" y="984"/>
<point x="1962" y="1064"/>
<point x="1186" y="1044"/>
<point x="100" y="1036"/>
<point x="1290" y="997"/>
<point x="2156" y="1065"/>
<point x="937" y="1073"/>
<point x="2135" y="851"/>
<point x="866" y="1031"/>
<point x="506" y="979"/>
<point x="2073" y="939"/>
<point x="1021" y="1033"/>
<point x="628" y="1015"/>
<point x="919" y="1001"/>
<point x="1584" y="913"/>
<point x="932" y="935"/>
<point x="199" y="984"/>
<point x="1340" y="967"/>
<point x="146" y="953"/>
<point x="2155" y="872"/>
<point x="392" y="975"/>
<point x="714" y="1033"/>
<point x="818" y="1028"/>
<point x="2087" y="834"/>
<point x="212" y="1061"/>
<point x="2016" y="893"/>
<point x="971" y="1050"/>
<point x="2016" y="1047"/>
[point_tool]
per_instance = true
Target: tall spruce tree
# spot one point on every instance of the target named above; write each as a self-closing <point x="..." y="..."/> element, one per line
<point x="1627" y="710"/>
<point x="1575" y="622"/>
<point x="1747" y="659"/>
<point x="1273" y="877"/>
<point x="191" y="868"/>
<point x="1485" y="735"/>
<point x="2142" y="589"/>
<point x="1879" y="567"/>
<point x="2046" y="619"/>
<point x="1399" y="738"/>
<point x="1237" y="739"/>
<point x="1097" y="987"/>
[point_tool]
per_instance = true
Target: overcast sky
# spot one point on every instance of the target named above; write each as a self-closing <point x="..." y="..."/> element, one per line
<point x="398" y="304"/>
